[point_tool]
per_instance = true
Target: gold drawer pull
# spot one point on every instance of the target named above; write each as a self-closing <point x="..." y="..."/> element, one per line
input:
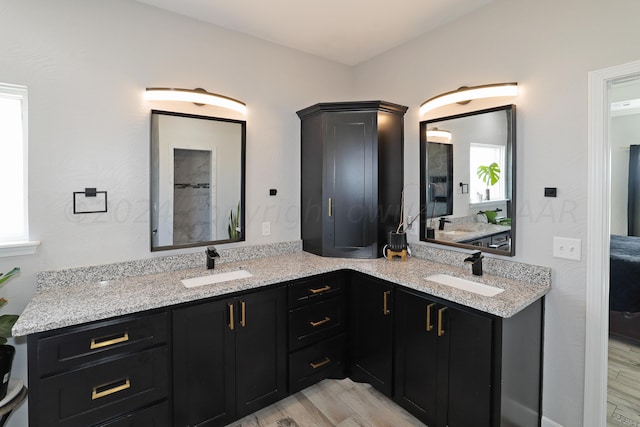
<point x="321" y="363"/>
<point x="429" y="324"/>
<point x="98" y="394"/>
<point x="99" y="344"/>
<point x="231" y="317"/>
<point x="441" y="321"/>
<point x="318" y="290"/>
<point x="243" y="314"/>
<point x="385" y="303"/>
<point x="320" y="322"/>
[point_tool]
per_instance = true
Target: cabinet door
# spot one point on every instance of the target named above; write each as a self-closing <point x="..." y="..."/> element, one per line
<point x="470" y="368"/>
<point x="261" y="349"/>
<point x="204" y="364"/>
<point x="443" y="363"/>
<point x="371" y="340"/>
<point x="351" y="221"/>
<point x="418" y="358"/>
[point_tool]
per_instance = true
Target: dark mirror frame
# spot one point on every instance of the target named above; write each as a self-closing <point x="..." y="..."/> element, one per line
<point x="510" y="175"/>
<point x="154" y="170"/>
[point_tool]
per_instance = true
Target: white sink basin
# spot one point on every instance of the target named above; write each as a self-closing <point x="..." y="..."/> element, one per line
<point x="212" y="279"/>
<point x="465" y="285"/>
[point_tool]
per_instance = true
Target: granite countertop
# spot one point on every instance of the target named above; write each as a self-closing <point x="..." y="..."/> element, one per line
<point x="469" y="231"/>
<point x="55" y="307"/>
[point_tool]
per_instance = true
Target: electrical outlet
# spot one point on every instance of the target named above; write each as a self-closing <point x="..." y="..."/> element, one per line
<point x="266" y="228"/>
<point x="411" y="228"/>
<point x="567" y="248"/>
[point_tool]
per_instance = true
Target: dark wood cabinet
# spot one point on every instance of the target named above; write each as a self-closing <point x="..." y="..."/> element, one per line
<point x="112" y="372"/>
<point x="500" y="241"/>
<point x="204" y="364"/>
<point x="458" y="367"/>
<point x="420" y="362"/>
<point x="371" y="332"/>
<point x="443" y="362"/>
<point x="210" y="362"/>
<point x="229" y="357"/>
<point x="352" y="176"/>
<point x="317" y="340"/>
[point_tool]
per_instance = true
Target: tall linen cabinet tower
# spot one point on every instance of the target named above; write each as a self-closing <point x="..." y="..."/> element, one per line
<point x="352" y="176"/>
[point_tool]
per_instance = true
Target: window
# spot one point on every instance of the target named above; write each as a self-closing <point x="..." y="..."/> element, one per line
<point x="485" y="154"/>
<point x="14" y="226"/>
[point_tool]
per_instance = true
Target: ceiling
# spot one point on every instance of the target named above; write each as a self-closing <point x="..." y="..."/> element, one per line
<point x="345" y="31"/>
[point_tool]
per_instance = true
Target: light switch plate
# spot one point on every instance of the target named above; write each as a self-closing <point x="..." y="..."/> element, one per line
<point x="266" y="228"/>
<point x="567" y="248"/>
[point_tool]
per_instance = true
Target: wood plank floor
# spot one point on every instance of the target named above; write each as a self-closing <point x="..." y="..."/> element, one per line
<point x="332" y="403"/>
<point x="343" y="403"/>
<point x="623" y="390"/>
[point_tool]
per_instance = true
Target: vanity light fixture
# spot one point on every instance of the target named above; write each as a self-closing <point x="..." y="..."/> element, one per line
<point x="464" y="95"/>
<point x="197" y="96"/>
<point x="438" y="135"/>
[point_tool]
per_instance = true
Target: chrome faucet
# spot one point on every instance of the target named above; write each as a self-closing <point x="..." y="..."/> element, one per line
<point x="476" y="263"/>
<point x="212" y="254"/>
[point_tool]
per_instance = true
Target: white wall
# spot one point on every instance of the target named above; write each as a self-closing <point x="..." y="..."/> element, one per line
<point x="548" y="47"/>
<point x="86" y="64"/>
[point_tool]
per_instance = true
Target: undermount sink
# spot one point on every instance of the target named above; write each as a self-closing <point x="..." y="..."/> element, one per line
<point x="465" y="285"/>
<point x="212" y="279"/>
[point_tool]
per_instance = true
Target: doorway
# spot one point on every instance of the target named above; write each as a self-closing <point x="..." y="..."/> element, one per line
<point x="599" y="230"/>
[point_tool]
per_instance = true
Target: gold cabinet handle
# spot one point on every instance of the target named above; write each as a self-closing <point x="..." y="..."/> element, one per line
<point x="385" y="302"/>
<point x="429" y="324"/>
<point x="95" y="394"/>
<point x="97" y="343"/>
<point x="231" y="316"/>
<point x="322" y="289"/>
<point x="330" y="207"/>
<point x="243" y="318"/>
<point x="320" y="363"/>
<point x="441" y="321"/>
<point x="320" y="322"/>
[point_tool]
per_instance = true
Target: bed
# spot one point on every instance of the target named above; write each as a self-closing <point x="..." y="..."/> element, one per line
<point x="624" y="293"/>
<point x="624" y="278"/>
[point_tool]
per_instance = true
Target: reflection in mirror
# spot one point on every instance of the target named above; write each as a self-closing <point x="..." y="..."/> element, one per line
<point x="197" y="180"/>
<point x="467" y="180"/>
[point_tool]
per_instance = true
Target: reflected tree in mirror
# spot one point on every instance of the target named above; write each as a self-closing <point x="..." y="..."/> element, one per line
<point x="467" y="182"/>
<point x="197" y="180"/>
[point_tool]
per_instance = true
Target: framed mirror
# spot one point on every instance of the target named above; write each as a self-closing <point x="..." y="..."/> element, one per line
<point x="467" y="180"/>
<point x="197" y="180"/>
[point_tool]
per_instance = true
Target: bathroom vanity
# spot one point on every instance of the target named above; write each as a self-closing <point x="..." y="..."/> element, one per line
<point x="146" y="350"/>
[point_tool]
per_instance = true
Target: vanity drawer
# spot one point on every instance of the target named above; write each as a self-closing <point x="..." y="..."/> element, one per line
<point x="325" y="359"/>
<point x="154" y="416"/>
<point x="101" y="392"/>
<point x="90" y="343"/>
<point x="314" y="322"/>
<point x="315" y="289"/>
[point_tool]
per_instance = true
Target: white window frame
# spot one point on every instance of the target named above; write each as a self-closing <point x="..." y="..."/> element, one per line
<point x="500" y="185"/>
<point x="20" y="243"/>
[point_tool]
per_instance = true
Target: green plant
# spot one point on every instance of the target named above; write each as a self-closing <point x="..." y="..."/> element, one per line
<point x="234" y="223"/>
<point x="7" y="320"/>
<point x="490" y="174"/>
